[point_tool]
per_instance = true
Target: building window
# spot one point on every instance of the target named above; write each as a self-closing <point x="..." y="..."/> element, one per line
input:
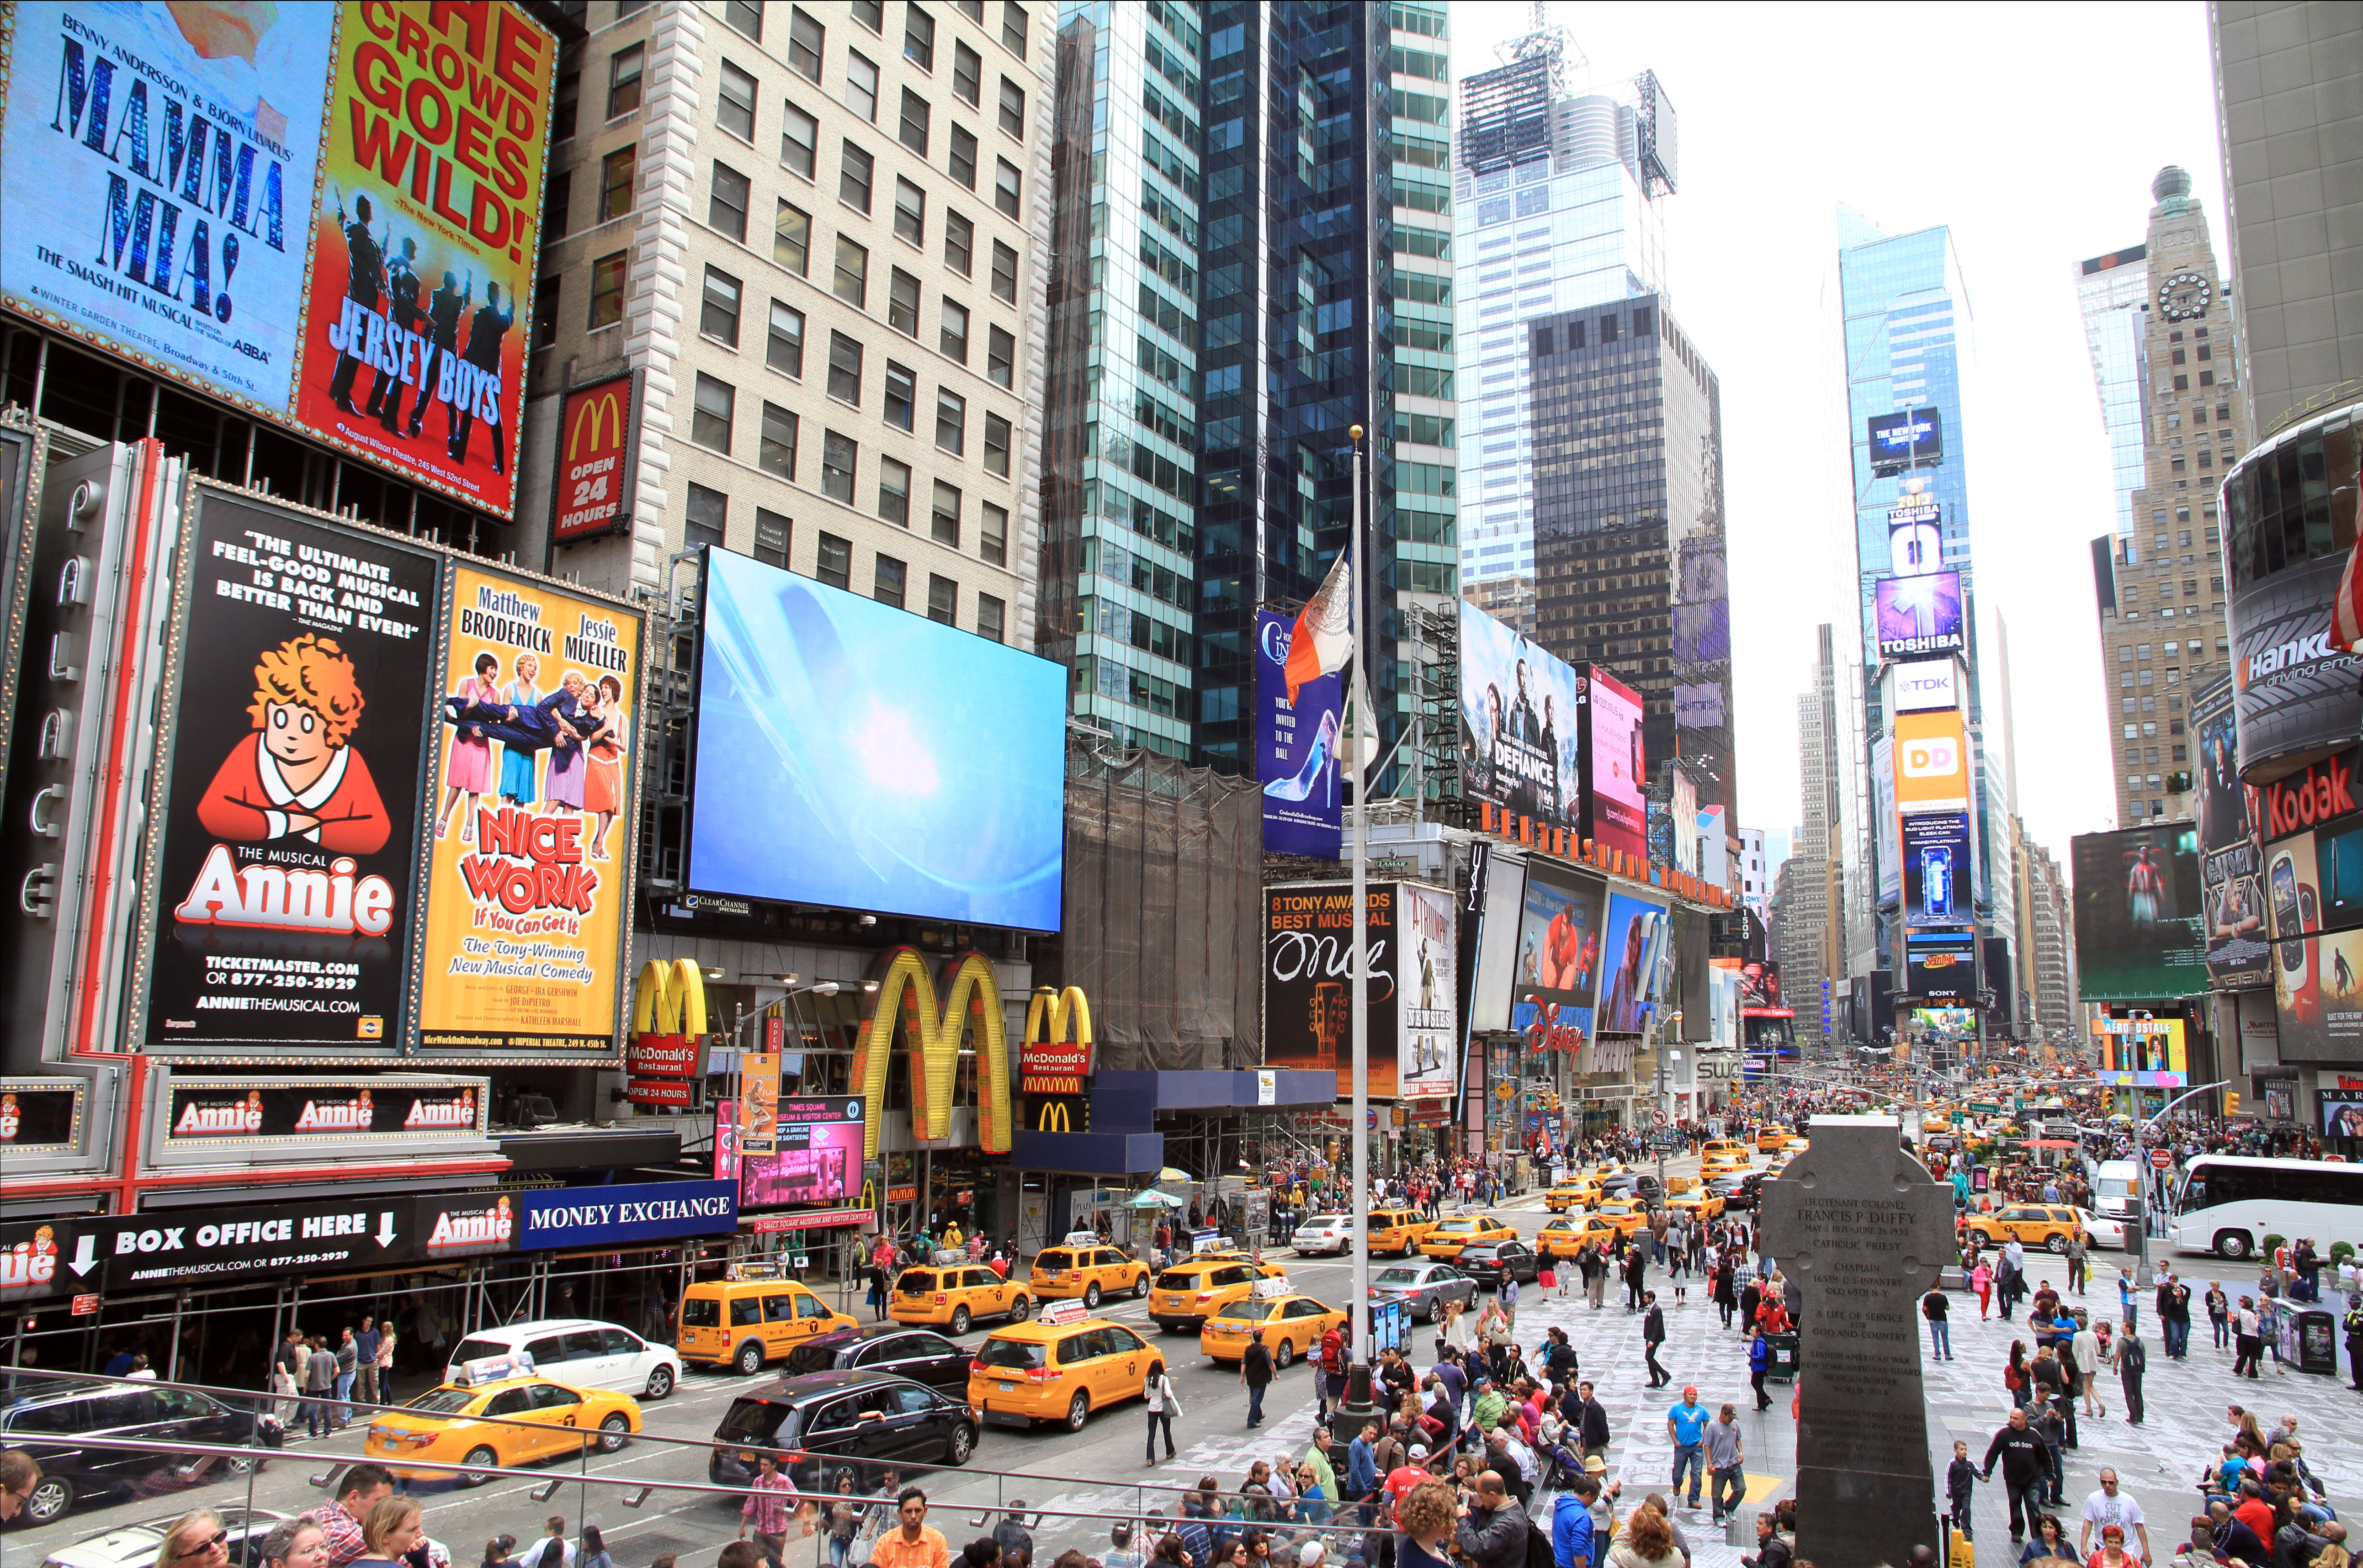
<point x="791" y="238"/>
<point x="624" y="80"/>
<point x="853" y="178"/>
<point x="726" y="211"/>
<point x="1013" y="109"/>
<point x="943" y="600"/>
<point x="992" y="533"/>
<point x="910" y="213"/>
<point x="861" y="85"/>
<point x="902" y="302"/>
<point x="951" y="421"/>
<point x="607" y="290"/>
<point x="967" y="73"/>
<point x="902" y="395"/>
<point x="618" y="172"/>
<point x="996" y="445"/>
<point x="772" y="534"/>
<point x="777" y="452"/>
<point x="834" y="563"/>
<point x="805" y="38"/>
<point x="1013" y="28"/>
<point x="989" y="614"/>
<point x="709" y="421"/>
<point x="944" y="523"/>
<point x="964" y="156"/>
<point x="745" y="15"/>
<point x="959" y="243"/>
<point x="1000" y="357"/>
<point x="1004" y="272"/>
<point x="871" y="14"/>
<point x="545" y="312"/>
<point x="954" y="337"/>
<point x="844" y="369"/>
<point x="838" y="458"/>
<point x="1006" y="188"/>
<point x="784" y="350"/>
<point x="852" y="282"/>
<point x="557" y="204"/>
<point x="887" y="584"/>
<point x="799" y="140"/>
<point x="735" y="110"/>
<point x="919" y="37"/>
<point x="913" y="131"/>
<point x="705" y="517"/>
<point x="895" y="492"/>
<point x="566" y="107"/>
<point x="717" y="316"/>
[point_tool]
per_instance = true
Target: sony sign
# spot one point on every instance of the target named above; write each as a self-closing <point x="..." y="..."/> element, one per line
<point x="1926" y="686"/>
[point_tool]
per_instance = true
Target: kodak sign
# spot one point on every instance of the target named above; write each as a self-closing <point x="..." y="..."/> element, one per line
<point x="2326" y="790"/>
<point x="591" y="452"/>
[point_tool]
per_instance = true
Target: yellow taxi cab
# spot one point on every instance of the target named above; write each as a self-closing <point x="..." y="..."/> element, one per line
<point x="1699" y="1203"/>
<point x="1445" y="1237"/>
<point x="1730" y="1157"/>
<point x="2030" y="1225"/>
<point x="1561" y="1238"/>
<point x="1716" y="1149"/>
<point x="1090" y="1272"/>
<point x="1797" y="1145"/>
<point x="1397" y="1232"/>
<point x="1576" y="1192"/>
<point x="1770" y="1139"/>
<point x="744" y="1321"/>
<point x="1293" y="1325"/>
<point x="1624" y="1215"/>
<point x="1061" y="1367"/>
<point x="453" y="1424"/>
<point x="953" y="1295"/>
<point x="1196" y="1288"/>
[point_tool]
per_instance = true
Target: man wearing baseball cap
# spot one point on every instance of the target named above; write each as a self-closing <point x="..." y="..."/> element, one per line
<point x="1686" y="1425"/>
<point x="1410" y="1473"/>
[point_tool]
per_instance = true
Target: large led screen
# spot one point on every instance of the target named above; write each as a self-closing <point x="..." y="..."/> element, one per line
<point x="1297" y="747"/>
<point x="2231" y="861"/>
<point x="1920" y="615"/>
<point x="1618" y="776"/>
<point x="1905" y="439"/>
<point x="1519" y="724"/>
<point x="853" y="755"/>
<point x="2137" y="914"/>
<point x="1628" y="990"/>
<point x="1937" y="870"/>
<point x="1557" y="976"/>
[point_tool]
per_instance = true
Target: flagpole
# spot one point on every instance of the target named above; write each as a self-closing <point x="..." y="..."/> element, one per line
<point x="1357" y="1401"/>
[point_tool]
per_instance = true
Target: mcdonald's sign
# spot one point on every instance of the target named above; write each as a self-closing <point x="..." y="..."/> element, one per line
<point x="1051" y="1060"/>
<point x="905" y="1008"/>
<point x="594" y="467"/>
<point x="1061" y="1114"/>
<point x="670" y="999"/>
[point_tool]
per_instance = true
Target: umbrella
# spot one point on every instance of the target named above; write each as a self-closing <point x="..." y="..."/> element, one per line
<point x="1153" y="1198"/>
<point x="2051" y="1142"/>
<point x="1170" y="1174"/>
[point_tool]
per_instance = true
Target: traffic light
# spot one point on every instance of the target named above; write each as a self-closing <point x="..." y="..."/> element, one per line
<point x="2231" y="1102"/>
<point x="2108" y="1099"/>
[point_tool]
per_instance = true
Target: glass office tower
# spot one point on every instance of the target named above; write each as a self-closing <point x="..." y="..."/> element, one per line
<point x="2111" y="292"/>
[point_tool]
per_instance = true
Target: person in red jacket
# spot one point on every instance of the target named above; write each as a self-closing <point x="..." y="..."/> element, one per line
<point x="298" y="776"/>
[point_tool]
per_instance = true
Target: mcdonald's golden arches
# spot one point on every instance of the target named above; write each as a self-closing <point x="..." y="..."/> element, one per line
<point x="592" y="461"/>
<point x="905" y="1006"/>
<point x="1049" y="1060"/>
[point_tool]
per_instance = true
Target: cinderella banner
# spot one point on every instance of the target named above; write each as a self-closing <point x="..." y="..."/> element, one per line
<point x="1296" y="748"/>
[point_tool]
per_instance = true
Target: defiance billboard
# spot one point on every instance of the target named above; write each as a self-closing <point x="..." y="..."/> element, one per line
<point x="1519" y="724"/>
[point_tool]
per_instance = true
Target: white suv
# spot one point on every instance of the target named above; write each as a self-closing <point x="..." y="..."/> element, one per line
<point x="1324" y="1233"/>
<point x="580" y="1351"/>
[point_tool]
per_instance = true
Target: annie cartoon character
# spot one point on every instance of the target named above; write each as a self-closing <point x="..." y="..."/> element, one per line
<point x="299" y="775"/>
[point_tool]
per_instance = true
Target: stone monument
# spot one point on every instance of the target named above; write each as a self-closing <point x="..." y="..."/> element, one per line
<point x="1860" y="1232"/>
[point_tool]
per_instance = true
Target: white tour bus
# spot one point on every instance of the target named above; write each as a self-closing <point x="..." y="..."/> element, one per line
<point x="2227" y="1204"/>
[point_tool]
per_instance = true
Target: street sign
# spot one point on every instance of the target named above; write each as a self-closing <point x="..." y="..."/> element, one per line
<point x="85" y="1306"/>
<point x="2159" y="1159"/>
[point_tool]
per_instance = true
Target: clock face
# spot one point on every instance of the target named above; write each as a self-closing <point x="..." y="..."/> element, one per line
<point x="2184" y="296"/>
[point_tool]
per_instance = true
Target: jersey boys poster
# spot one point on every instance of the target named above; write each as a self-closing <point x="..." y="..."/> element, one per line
<point x="528" y="868"/>
<point x="424" y="232"/>
<point x="284" y="878"/>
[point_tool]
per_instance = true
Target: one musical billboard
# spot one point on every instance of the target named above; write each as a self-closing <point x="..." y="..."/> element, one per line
<point x="2231" y="859"/>
<point x="1296" y="748"/>
<point x="855" y="755"/>
<point x="1906" y="439"/>
<point x="1308" y="980"/>
<point x="1920" y="615"/>
<point x="328" y="215"/>
<point x="2137" y="914"/>
<point x="1519" y="729"/>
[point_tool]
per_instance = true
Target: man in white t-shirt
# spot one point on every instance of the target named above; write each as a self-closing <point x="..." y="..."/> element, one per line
<point x="2113" y="1505"/>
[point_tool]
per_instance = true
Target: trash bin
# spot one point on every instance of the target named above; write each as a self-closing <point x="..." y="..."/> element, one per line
<point x="2317" y="1345"/>
<point x="1784" y="1359"/>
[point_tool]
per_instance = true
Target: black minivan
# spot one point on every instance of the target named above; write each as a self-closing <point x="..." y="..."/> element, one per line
<point x="45" y="1423"/>
<point x="866" y="1422"/>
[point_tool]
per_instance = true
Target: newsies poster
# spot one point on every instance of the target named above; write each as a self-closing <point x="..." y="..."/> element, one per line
<point x="530" y="859"/>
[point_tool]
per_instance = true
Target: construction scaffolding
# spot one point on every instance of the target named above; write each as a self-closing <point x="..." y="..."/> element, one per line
<point x="1163" y="927"/>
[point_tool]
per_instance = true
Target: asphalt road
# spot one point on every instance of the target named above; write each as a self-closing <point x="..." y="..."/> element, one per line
<point x="1095" y="1470"/>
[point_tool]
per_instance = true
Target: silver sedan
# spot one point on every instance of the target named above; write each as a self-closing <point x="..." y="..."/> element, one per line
<point x="1423" y="1287"/>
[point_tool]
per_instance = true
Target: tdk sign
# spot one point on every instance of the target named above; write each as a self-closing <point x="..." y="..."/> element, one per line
<point x="1927" y="686"/>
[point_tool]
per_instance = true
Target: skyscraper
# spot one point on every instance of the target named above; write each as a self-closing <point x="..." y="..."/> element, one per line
<point x="1219" y="317"/>
<point x="1810" y="927"/>
<point x="1560" y="191"/>
<point x="2113" y="296"/>
<point x="2160" y="584"/>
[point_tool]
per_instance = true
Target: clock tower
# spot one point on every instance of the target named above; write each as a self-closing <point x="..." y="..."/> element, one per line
<point x="2161" y="574"/>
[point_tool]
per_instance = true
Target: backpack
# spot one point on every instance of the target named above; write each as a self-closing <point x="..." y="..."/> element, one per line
<point x="1538" y="1548"/>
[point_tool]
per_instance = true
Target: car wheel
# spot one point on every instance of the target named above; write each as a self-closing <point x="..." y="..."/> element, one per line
<point x="1140" y="1287"/>
<point x="245" y="1464"/>
<point x="1079" y="1411"/>
<point x="750" y="1360"/>
<point x="2232" y="1245"/>
<point x="1281" y="1355"/>
<point x="473" y="1470"/>
<point x="615" y="1432"/>
<point x="660" y="1383"/>
<point x="1091" y="1297"/>
<point x="2057" y="1244"/>
<point x="1019" y="1309"/>
<point x="959" y="1445"/>
<point x="960" y="1320"/>
<point x="52" y="1496"/>
<point x="1428" y="1309"/>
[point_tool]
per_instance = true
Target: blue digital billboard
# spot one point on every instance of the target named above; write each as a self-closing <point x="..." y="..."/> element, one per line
<point x="852" y="755"/>
<point x="1296" y="748"/>
<point x="1628" y="993"/>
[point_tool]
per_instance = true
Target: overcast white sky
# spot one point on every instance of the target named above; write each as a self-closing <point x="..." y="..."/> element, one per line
<point x="2034" y="131"/>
